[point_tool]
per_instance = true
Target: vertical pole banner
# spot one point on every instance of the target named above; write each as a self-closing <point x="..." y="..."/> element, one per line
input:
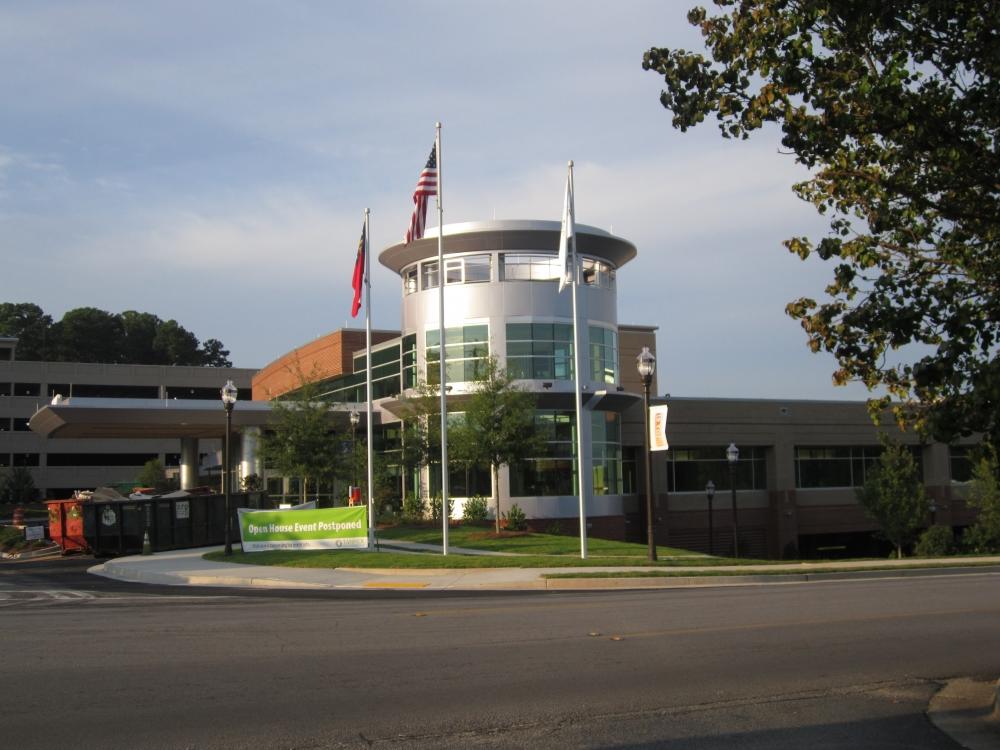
<point x="658" y="428"/>
<point x="322" y="528"/>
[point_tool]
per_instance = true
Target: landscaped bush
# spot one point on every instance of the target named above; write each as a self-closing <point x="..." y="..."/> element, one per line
<point x="436" y="507"/>
<point x="414" y="508"/>
<point x="937" y="541"/>
<point x="514" y="519"/>
<point x="476" y="509"/>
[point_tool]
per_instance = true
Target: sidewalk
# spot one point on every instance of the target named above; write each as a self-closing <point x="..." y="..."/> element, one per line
<point x="186" y="567"/>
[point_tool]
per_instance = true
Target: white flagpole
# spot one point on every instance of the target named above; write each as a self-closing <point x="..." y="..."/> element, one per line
<point x="442" y="348"/>
<point x="570" y="212"/>
<point x="368" y="379"/>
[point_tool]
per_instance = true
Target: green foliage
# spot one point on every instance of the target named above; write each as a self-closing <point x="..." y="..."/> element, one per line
<point x="300" y="441"/>
<point x="252" y="483"/>
<point x="514" y="519"/>
<point x="414" y="508"/>
<point x="893" y="495"/>
<point x="893" y="108"/>
<point x="17" y="486"/>
<point x="984" y="496"/>
<point x="475" y="510"/>
<point x="11" y="538"/>
<point x="436" y="507"/>
<point x="153" y="475"/>
<point x="937" y="541"/>
<point x="498" y="428"/>
<point x="31" y="326"/>
<point x="88" y="334"/>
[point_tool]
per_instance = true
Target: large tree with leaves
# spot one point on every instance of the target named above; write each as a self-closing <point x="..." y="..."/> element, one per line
<point x="895" y="109"/>
<point x="498" y="428"/>
<point x="300" y="440"/>
<point x="893" y="495"/>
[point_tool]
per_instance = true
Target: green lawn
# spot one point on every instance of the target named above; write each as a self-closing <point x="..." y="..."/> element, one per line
<point x="525" y="543"/>
<point x="528" y="550"/>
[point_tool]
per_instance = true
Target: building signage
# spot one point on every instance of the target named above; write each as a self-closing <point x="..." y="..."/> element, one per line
<point x="34" y="532"/>
<point x="323" y="528"/>
<point x="658" y="428"/>
<point x="182" y="509"/>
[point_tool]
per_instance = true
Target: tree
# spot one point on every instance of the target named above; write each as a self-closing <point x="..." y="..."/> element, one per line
<point x="87" y="334"/>
<point x="984" y="495"/>
<point x="153" y="475"/>
<point x="214" y="354"/>
<point x="139" y="334"/>
<point x="893" y="495"/>
<point x="32" y="328"/>
<point x="894" y="109"/>
<point x="18" y="486"/>
<point x="299" y="441"/>
<point x="175" y="345"/>
<point x="498" y="428"/>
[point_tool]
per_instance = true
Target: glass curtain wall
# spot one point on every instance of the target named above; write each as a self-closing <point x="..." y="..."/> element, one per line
<point x="466" y="350"/>
<point x="540" y="351"/>
<point x="690" y="469"/>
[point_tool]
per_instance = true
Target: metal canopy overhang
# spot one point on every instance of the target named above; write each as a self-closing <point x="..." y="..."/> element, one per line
<point x="143" y="418"/>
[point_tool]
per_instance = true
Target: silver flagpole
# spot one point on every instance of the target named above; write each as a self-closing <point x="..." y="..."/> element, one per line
<point x="368" y="379"/>
<point x="442" y="349"/>
<point x="580" y="465"/>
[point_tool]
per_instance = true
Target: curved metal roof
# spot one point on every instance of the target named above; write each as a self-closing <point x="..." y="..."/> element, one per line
<point x="512" y="235"/>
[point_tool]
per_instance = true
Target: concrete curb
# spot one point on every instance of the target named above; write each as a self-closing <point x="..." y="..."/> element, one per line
<point x="968" y="711"/>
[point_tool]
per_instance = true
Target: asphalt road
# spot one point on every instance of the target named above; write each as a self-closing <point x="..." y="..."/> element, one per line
<point x="99" y="664"/>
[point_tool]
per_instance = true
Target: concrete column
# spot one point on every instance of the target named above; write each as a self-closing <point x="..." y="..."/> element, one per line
<point x="250" y="462"/>
<point x="189" y="463"/>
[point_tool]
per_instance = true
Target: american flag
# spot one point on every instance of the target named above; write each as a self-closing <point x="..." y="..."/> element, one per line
<point x="427" y="185"/>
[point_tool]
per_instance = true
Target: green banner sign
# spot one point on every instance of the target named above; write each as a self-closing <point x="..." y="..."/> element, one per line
<point x="324" y="528"/>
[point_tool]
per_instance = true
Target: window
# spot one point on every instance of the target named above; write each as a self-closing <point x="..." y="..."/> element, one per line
<point x="607" y="453"/>
<point x="960" y="462"/>
<point x="99" y="459"/>
<point x="838" y="466"/>
<point x="553" y="473"/>
<point x="21" y="424"/>
<point x="4" y="424"/>
<point x="478" y="268"/>
<point x="4" y="460"/>
<point x="603" y="355"/>
<point x="525" y="267"/>
<point x="62" y="389"/>
<point x="353" y="388"/>
<point x="466" y="350"/>
<point x="24" y="459"/>
<point x="5" y="389"/>
<point x="690" y="469"/>
<point x="410" y="280"/>
<point x="596" y="273"/>
<point x="429" y="274"/>
<point x="83" y="390"/>
<point x="540" y="351"/>
<point x="409" y="360"/>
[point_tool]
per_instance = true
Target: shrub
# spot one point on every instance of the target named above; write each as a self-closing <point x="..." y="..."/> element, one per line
<point x="476" y="509"/>
<point x="937" y="541"/>
<point x="414" y="508"/>
<point x="514" y="519"/>
<point x="436" y="507"/>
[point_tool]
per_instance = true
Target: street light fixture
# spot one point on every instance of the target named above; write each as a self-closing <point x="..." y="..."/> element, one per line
<point x="733" y="455"/>
<point x="646" y="364"/>
<point x="355" y="418"/>
<point x="710" y="494"/>
<point x="229" y="396"/>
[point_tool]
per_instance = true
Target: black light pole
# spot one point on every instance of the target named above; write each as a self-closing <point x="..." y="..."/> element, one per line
<point x="710" y="494"/>
<point x="229" y="394"/>
<point x="646" y="364"/>
<point x="732" y="455"/>
<point x="355" y="418"/>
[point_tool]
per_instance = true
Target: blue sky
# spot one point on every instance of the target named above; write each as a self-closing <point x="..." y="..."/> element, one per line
<point x="211" y="162"/>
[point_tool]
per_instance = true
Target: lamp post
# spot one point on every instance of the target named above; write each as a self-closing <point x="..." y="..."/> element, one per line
<point x="355" y="418"/>
<point x="646" y="364"/>
<point x="229" y="394"/>
<point x="710" y="494"/>
<point x="732" y="455"/>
